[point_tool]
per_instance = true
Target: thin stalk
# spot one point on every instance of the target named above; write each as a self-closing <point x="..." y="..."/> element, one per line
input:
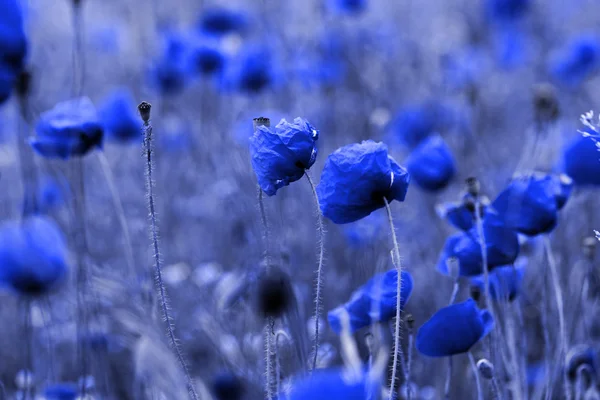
<point x="398" y="265"/>
<point x="454" y="292"/>
<point x="269" y="326"/>
<point x="277" y="361"/>
<point x="78" y="58"/>
<point x="560" y="309"/>
<point x="28" y="350"/>
<point x="319" y="282"/>
<point x="476" y="373"/>
<point x="148" y="150"/>
<point x="448" y="379"/>
<point x="118" y="204"/>
<point x="411" y="337"/>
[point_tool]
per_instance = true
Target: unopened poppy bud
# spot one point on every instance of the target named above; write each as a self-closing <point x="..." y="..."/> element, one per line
<point x="473" y="186"/>
<point x="453" y="265"/>
<point x="410" y="320"/>
<point x="144" y="109"/>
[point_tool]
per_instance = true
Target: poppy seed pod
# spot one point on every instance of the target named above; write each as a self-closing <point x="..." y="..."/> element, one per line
<point x="261" y="121"/>
<point x="356" y="179"/>
<point x="144" y="109"/>
<point x="281" y="156"/>
<point x="375" y="301"/>
<point x="473" y="186"/>
<point x="454" y="330"/>
<point x="275" y="293"/>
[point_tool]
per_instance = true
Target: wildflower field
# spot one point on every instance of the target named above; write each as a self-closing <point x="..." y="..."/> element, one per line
<point x="299" y="199"/>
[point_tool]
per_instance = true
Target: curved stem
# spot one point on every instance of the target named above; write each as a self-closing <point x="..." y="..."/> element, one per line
<point x="319" y="282"/>
<point x="118" y="204"/>
<point x="157" y="261"/>
<point x="454" y="292"/>
<point x="398" y="265"/>
<point x="476" y="373"/>
<point x="560" y="309"/>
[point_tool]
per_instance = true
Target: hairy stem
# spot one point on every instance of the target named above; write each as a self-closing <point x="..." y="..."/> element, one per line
<point x="454" y="292"/>
<point x="409" y="364"/>
<point x="319" y="282"/>
<point x="560" y="309"/>
<point x="148" y="149"/>
<point x="78" y="57"/>
<point x="448" y="379"/>
<point x="398" y="265"/>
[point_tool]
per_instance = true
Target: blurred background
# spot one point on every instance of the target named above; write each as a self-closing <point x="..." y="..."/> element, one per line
<point x="395" y="71"/>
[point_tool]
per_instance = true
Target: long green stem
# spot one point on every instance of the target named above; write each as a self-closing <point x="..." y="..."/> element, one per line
<point x="398" y="265"/>
<point x="319" y="281"/>
<point x="148" y="150"/>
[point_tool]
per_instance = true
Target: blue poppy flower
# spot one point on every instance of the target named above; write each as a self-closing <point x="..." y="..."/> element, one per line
<point x="33" y="256"/>
<point x="414" y="123"/>
<point x="209" y="59"/>
<point x="529" y="204"/>
<point x="431" y="164"/>
<point x="502" y="247"/>
<point x="119" y="117"/>
<point x="61" y="391"/>
<point x="171" y="72"/>
<point x="348" y="6"/>
<point x="507" y="10"/>
<point x="454" y="330"/>
<point x="220" y="21"/>
<point x="71" y="128"/>
<point x="330" y="384"/>
<point x="252" y="71"/>
<point x="577" y="62"/>
<point x="355" y="180"/>
<point x="461" y="215"/>
<point x="281" y="156"/>
<point x="505" y="282"/>
<point x="375" y="301"/>
<point x="581" y="161"/>
<point x="13" y="43"/>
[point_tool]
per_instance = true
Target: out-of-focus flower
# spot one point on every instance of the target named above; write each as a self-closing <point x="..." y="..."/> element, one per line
<point x="119" y="117"/>
<point x="507" y="10"/>
<point x="221" y="21"/>
<point x="505" y="282"/>
<point x="462" y="70"/>
<point x="13" y="46"/>
<point x="375" y="301"/>
<point x="227" y="386"/>
<point x="577" y="62"/>
<point x="502" y="247"/>
<point x="208" y="58"/>
<point x="281" y="156"/>
<point x="50" y="194"/>
<point x="61" y="391"/>
<point x="431" y="164"/>
<point x="33" y="256"/>
<point x="414" y="123"/>
<point x="454" y="330"/>
<point x="529" y="204"/>
<point x="72" y="128"/>
<point x="355" y="180"/>
<point x="348" y="6"/>
<point x="251" y="71"/>
<point x="461" y="214"/>
<point x="172" y="70"/>
<point x="581" y="161"/>
<point x="330" y="384"/>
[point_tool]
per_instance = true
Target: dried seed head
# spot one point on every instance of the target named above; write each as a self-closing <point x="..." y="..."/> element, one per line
<point x="261" y="121"/>
<point x="486" y="368"/>
<point x="473" y="186"/>
<point x="144" y="109"/>
<point x="545" y="102"/>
